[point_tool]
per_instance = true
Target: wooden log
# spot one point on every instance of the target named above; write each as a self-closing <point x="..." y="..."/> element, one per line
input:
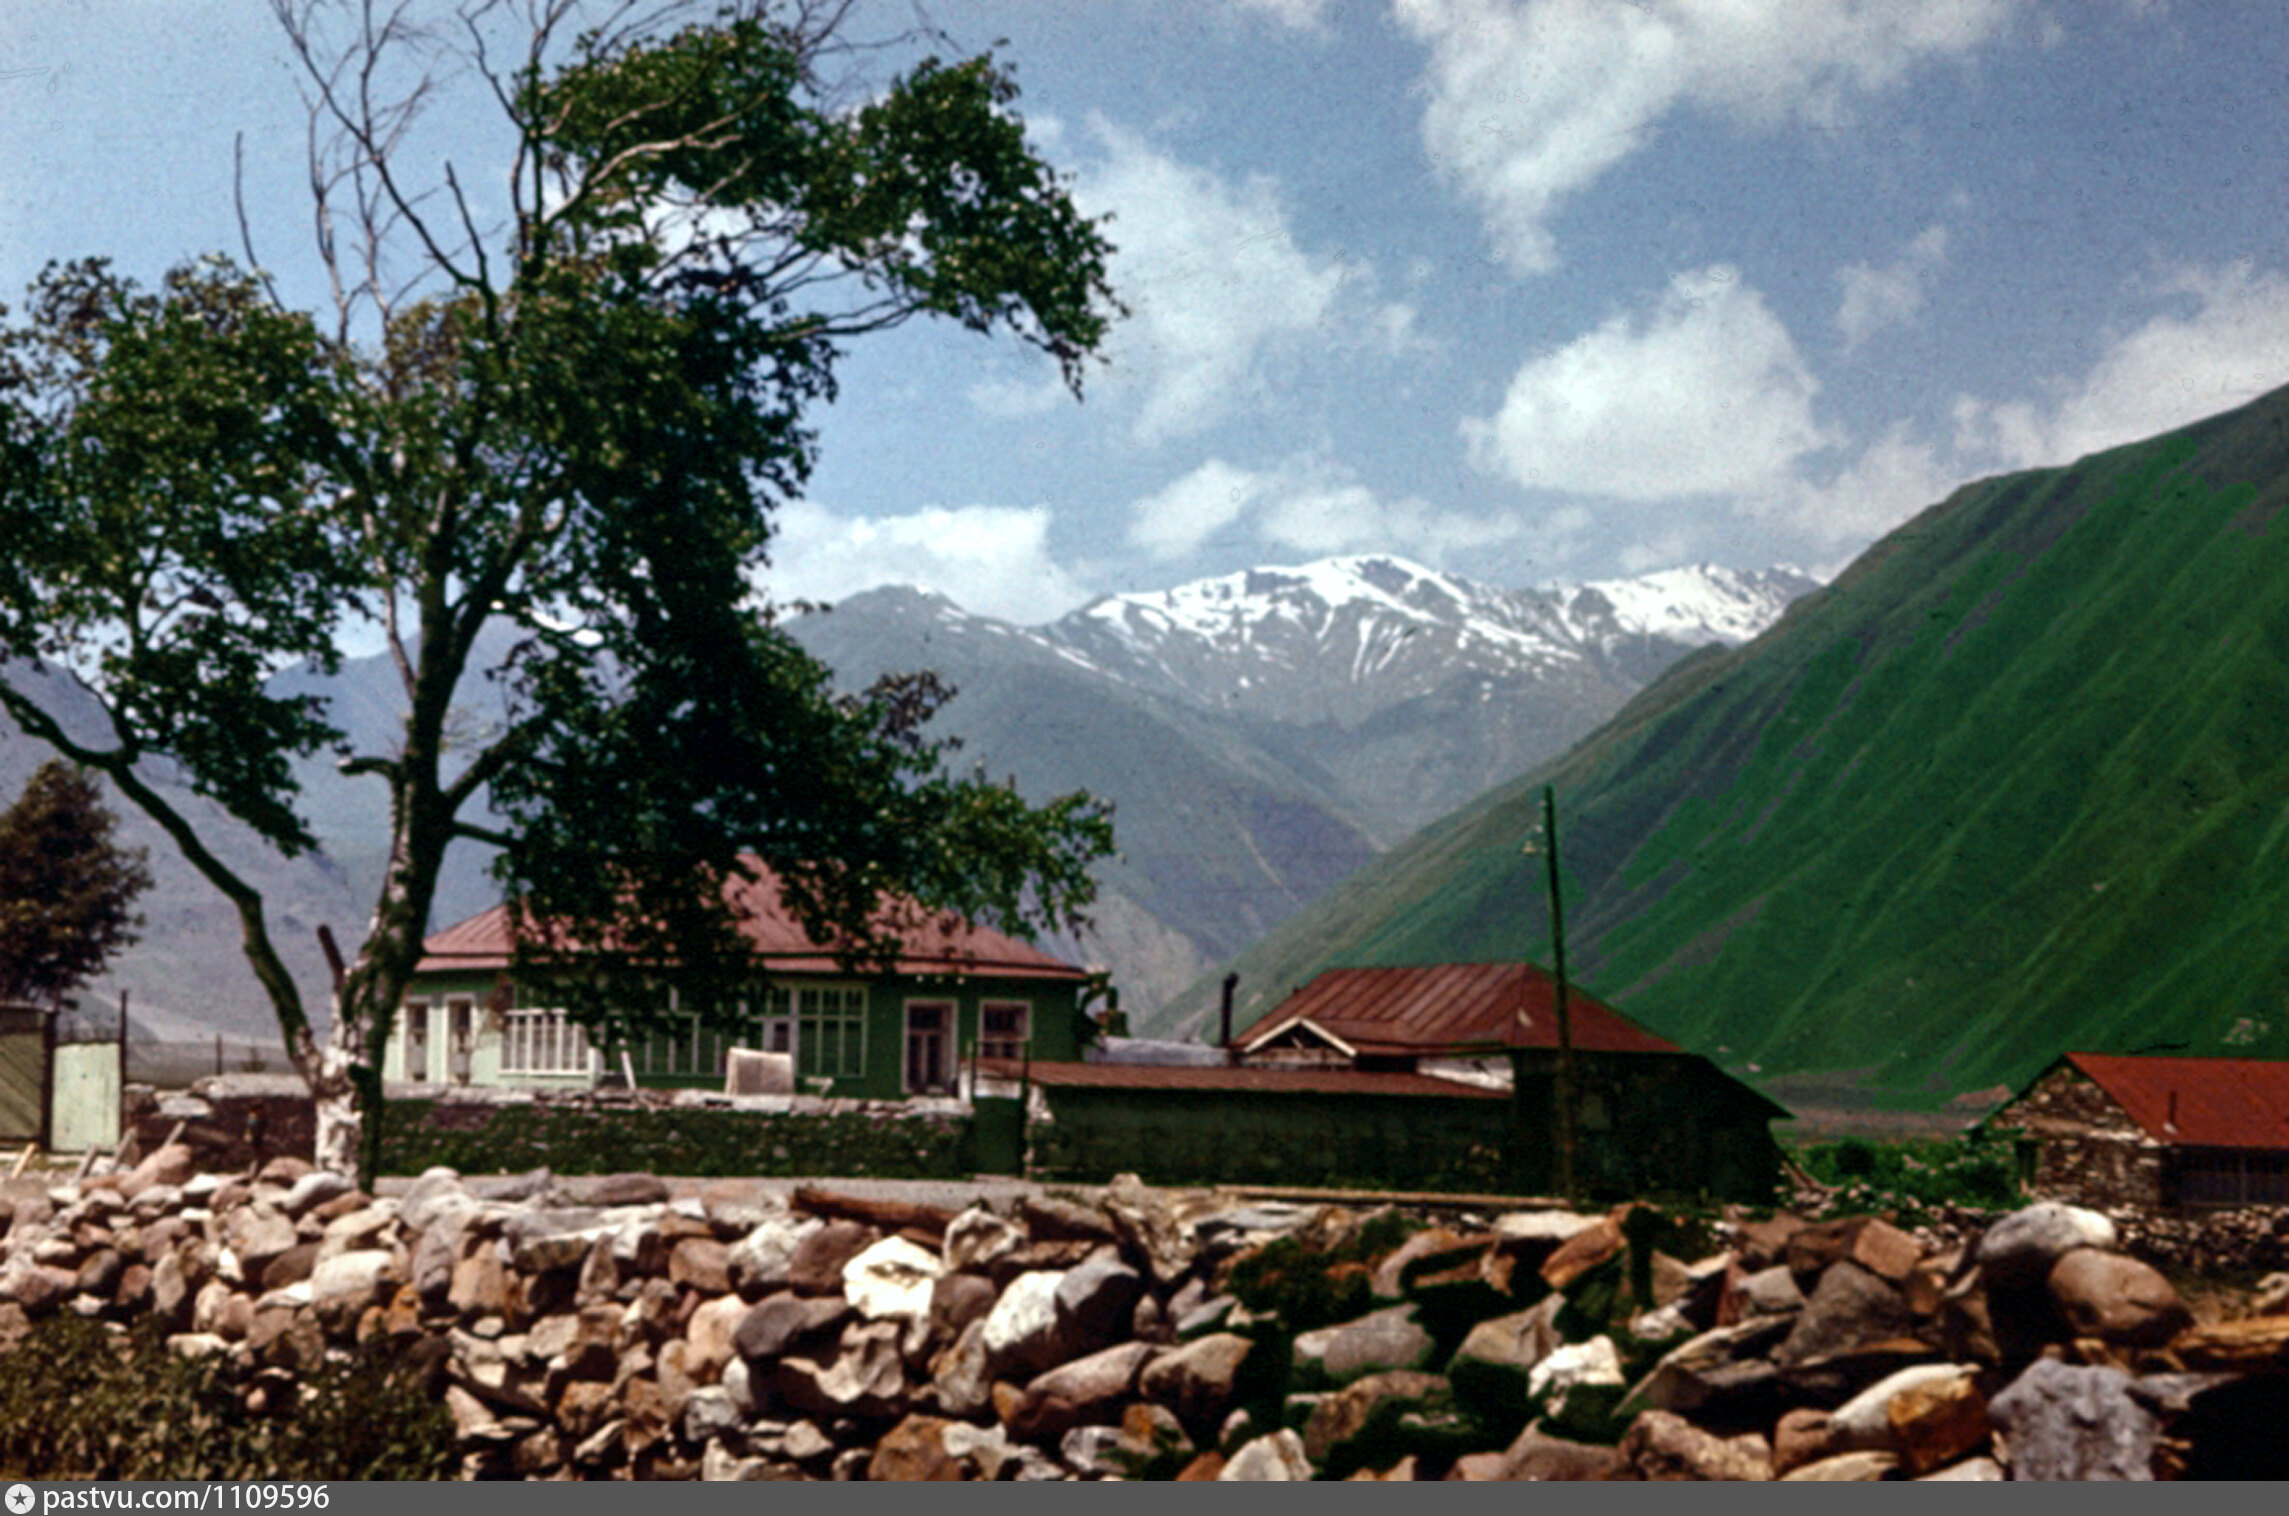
<point x="889" y="1215"/>
<point x="2255" y="1342"/>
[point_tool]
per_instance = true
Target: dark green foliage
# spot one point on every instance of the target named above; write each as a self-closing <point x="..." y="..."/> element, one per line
<point x="2012" y="786"/>
<point x="67" y="891"/>
<point x="1308" y="1286"/>
<point x="576" y="1139"/>
<point x="1974" y="1172"/>
<point x="78" y="1401"/>
<point x="563" y="432"/>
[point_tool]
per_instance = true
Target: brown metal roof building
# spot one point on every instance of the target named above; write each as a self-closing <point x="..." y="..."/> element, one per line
<point x="1371" y="1013"/>
<point x="1367" y="1075"/>
<point x="2105" y="1129"/>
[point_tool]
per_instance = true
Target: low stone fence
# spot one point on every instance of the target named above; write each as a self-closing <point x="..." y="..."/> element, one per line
<point x="596" y="1328"/>
<point x="685" y="1132"/>
<point x="240" y="1121"/>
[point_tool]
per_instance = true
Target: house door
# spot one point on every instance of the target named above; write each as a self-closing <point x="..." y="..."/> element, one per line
<point x="929" y="1030"/>
<point x="461" y="1038"/>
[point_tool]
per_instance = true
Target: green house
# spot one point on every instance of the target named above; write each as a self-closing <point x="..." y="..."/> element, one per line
<point x="954" y="993"/>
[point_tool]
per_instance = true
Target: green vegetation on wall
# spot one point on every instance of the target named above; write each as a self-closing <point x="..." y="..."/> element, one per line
<point x="1200" y="1138"/>
<point x="569" y="1137"/>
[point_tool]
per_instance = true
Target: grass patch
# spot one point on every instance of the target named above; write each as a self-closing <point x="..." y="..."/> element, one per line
<point x="79" y="1401"/>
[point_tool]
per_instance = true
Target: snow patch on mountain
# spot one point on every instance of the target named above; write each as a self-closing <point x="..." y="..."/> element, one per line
<point x="1704" y="603"/>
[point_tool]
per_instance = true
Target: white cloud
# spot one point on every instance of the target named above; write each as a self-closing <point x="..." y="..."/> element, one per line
<point x="1217" y="285"/>
<point x="1665" y="549"/>
<point x="1707" y="396"/>
<point x="990" y="559"/>
<point x="1179" y="518"/>
<point x="1892" y="478"/>
<point x="2224" y="342"/>
<point x="1305" y="505"/>
<point x="1531" y="103"/>
<point x="1875" y="298"/>
<point x="1017" y="399"/>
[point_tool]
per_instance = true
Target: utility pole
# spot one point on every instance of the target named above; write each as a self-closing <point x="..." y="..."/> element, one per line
<point x="1548" y="847"/>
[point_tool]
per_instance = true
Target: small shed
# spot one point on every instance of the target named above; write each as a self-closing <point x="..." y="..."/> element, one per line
<point x="2109" y="1129"/>
<point x="57" y="1090"/>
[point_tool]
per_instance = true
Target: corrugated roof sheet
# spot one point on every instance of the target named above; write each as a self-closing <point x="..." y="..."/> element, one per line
<point x="2198" y="1102"/>
<point x="933" y="943"/>
<point x="1451" y="1005"/>
<point x="1242" y="1077"/>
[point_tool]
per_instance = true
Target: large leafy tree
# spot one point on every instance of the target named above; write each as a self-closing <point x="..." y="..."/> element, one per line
<point x="574" y="422"/>
<point x="67" y="888"/>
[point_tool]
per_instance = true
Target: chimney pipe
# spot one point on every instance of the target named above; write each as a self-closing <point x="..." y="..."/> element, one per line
<point x="1231" y="983"/>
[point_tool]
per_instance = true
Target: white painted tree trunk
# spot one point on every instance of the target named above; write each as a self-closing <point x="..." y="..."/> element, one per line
<point x="334" y="1096"/>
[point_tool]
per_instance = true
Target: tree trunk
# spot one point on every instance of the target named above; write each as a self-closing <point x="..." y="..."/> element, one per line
<point x="333" y="1091"/>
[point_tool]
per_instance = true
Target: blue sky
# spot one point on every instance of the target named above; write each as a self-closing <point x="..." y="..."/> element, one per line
<point x="1524" y="291"/>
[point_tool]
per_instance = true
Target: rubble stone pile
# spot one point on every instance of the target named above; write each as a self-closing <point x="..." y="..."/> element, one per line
<point x="598" y="1328"/>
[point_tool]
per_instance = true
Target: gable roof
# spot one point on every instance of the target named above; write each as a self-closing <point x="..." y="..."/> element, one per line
<point x="932" y="943"/>
<point x="1236" y="1077"/>
<point x="2197" y="1102"/>
<point x="1447" y="1006"/>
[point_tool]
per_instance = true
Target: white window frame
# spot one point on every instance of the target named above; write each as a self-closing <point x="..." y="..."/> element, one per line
<point x="992" y="1045"/>
<point x="854" y="1008"/>
<point x="950" y="1012"/>
<point x="414" y="1013"/>
<point x="543" y="1040"/>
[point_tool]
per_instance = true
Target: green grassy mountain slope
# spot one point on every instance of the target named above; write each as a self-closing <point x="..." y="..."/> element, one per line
<point x="2017" y="782"/>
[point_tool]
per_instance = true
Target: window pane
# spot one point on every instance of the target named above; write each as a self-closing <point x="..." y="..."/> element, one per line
<point x="1003" y="1027"/>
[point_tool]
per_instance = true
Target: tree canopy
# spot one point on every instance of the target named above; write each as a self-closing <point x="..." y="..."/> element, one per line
<point x="67" y="889"/>
<point x="575" y="422"/>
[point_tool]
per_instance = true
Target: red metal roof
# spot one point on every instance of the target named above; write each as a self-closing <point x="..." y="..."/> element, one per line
<point x="1243" y="1077"/>
<point x="931" y="942"/>
<point x="2198" y="1102"/>
<point x="1453" y="1005"/>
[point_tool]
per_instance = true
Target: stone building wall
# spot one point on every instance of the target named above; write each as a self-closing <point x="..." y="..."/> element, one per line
<point x="2087" y="1150"/>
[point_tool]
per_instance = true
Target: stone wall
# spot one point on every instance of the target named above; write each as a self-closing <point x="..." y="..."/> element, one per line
<point x="1657" y="1146"/>
<point x="229" y="1122"/>
<point x="603" y="1328"/>
<point x="238" y="1121"/>
<point x="2087" y="1149"/>
<point x="687" y="1132"/>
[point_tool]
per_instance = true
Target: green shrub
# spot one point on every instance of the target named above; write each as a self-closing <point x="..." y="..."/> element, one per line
<point x="1310" y="1287"/>
<point x="1970" y="1171"/>
<point x="82" y="1401"/>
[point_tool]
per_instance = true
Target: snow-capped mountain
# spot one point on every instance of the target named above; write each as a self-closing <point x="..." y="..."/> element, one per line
<point x="1261" y="734"/>
<point x="1342" y="638"/>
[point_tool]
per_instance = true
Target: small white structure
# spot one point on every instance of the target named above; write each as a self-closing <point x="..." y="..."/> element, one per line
<point x="748" y="1071"/>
